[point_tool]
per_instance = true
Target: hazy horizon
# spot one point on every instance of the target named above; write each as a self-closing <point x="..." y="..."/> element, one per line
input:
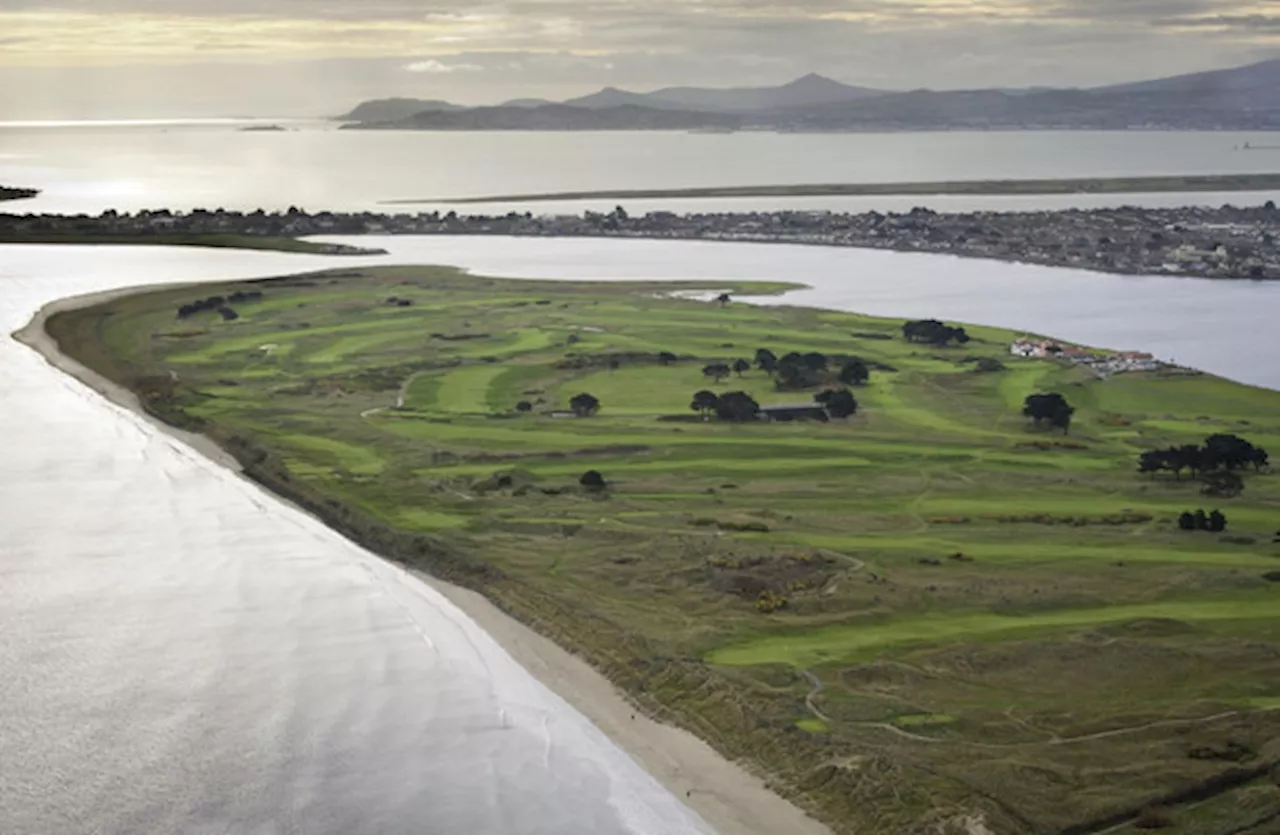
<point x="252" y="58"/>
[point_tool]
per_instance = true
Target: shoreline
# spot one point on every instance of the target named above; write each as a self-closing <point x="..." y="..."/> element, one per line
<point x="269" y="243"/>
<point x="732" y="800"/>
<point x="980" y="188"/>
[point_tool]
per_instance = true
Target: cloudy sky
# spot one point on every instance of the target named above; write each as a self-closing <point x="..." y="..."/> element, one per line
<point x="116" y="58"/>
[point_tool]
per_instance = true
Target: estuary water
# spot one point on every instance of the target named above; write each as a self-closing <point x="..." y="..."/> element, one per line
<point x="181" y="652"/>
<point x="90" y="167"/>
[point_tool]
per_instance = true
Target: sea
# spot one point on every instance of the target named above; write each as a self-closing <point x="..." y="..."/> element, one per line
<point x="182" y="652"/>
<point x="89" y="166"/>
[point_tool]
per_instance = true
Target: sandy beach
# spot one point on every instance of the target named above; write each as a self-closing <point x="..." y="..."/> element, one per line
<point x="727" y="796"/>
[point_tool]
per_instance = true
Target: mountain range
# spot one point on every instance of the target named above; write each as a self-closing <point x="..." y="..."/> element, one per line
<point x="1244" y="98"/>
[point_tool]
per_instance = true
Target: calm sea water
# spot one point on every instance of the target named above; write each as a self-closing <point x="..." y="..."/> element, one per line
<point x="92" y="167"/>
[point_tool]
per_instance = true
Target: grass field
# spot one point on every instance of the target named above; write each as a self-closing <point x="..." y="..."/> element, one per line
<point x="983" y="621"/>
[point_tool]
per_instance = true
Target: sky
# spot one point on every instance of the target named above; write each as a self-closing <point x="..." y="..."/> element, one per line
<point x="163" y="58"/>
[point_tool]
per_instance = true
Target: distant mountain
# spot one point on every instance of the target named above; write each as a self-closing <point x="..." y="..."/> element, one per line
<point x="1252" y="77"/>
<point x="613" y="97"/>
<point x="810" y="90"/>
<point x="807" y="91"/>
<point x="558" y="117"/>
<point x="526" y="103"/>
<point x="951" y="109"/>
<point x="1244" y="98"/>
<point x="1253" y="86"/>
<point x="390" y="110"/>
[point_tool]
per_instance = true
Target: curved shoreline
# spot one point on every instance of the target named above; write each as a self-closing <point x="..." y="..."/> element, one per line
<point x="727" y="796"/>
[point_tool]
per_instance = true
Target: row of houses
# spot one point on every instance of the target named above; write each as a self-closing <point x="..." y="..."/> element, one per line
<point x="1104" y="365"/>
<point x="1224" y="242"/>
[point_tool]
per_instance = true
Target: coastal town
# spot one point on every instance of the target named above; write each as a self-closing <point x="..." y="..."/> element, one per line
<point x="1227" y="242"/>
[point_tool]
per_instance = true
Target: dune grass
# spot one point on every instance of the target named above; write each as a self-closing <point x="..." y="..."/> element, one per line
<point x="1005" y="623"/>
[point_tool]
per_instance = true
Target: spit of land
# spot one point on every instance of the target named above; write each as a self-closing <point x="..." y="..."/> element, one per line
<point x="928" y="616"/>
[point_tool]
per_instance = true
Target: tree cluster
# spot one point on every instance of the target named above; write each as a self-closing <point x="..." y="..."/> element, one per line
<point x="218" y="302"/>
<point x="795" y="370"/>
<point x="1214" y="522"/>
<point x="737" y="406"/>
<point x="1218" y="453"/>
<point x="933" y="332"/>
<point x="1051" y="409"/>
<point x="801" y="371"/>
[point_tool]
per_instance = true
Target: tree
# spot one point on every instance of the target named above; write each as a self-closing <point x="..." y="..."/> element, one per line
<point x="839" y="403"/>
<point x="854" y="372"/>
<point x="1049" y="408"/>
<point x="1187" y="522"/>
<point x="716" y="370"/>
<point x="933" y="332"/>
<point x="667" y="358"/>
<point x="584" y="405"/>
<point x="524" y="407"/>
<point x="737" y="406"/>
<point x="704" y="402"/>
<point x="592" y="480"/>
<point x="740" y="366"/>
<point x="1201" y="520"/>
<point x="766" y="361"/>
<point x="724" y="299"/>
<point x="1217" y="522"/>
<point x="1233" y="453"/>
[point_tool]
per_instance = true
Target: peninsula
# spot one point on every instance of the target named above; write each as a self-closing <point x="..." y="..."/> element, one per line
<point x="1227" y="242"/>
<point x="9" y="193"/>
<point x="1082" y="185"/>
<point x="926" y="576"/>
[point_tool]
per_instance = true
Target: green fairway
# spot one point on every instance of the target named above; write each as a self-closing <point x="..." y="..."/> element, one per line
<point x="927" y="612"/>
<point x="848" y="643"/>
